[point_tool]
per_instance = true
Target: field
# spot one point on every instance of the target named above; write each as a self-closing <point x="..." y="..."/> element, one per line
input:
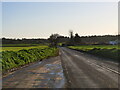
<point x="106" y="51"/>
<point x="89" y="47"/>
<point x="17" y="47"/>
<point x="14" y="57"/>
<point x="20" y="48"/>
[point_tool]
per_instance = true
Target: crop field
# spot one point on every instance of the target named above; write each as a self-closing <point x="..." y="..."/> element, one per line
<point x="17" y="47"/>
<point x="106" y="51"/>
<point x="89" y="47"/>
<point x="20" y="48"/>
<point x="13" y="57"/>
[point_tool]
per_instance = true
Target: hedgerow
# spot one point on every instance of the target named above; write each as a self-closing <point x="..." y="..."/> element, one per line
<point x="111" y="53"/>
<point x="14" y="59"/>
<point x="107" y="53"/>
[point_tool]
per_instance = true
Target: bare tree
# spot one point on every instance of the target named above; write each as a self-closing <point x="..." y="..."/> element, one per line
<point x="71" y="41"/>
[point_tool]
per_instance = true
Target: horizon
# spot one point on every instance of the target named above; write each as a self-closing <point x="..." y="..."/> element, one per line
<point x="41" y="19"/>
<point x="59" y="34"/>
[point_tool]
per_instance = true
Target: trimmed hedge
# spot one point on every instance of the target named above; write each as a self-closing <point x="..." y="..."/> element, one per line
<point x="12" y="59"/>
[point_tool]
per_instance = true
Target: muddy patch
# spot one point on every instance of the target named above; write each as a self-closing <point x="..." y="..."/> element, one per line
<point x="51" y="76"/>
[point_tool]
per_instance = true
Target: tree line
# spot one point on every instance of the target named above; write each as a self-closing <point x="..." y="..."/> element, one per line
<point x="82" y="40"/>
<point x="23" y="41"/>
<point x="72" y="39"/>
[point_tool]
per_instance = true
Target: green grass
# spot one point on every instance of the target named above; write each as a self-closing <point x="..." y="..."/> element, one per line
<point x="89" y="47"/>
<point x="20" y="48"/>
<point x="106" y="51"/>
<point x="18" y="45"/>
<point x="14" y="59"/>
<point x="17" y="55"/>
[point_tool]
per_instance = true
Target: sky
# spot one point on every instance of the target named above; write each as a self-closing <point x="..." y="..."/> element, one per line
<point x="41" y="19"/>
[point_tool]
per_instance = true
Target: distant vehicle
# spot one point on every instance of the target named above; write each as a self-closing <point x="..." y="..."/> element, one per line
<point x="113" y="42"/>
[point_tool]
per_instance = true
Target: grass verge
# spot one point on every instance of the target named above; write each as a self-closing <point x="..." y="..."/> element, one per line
<point x="14" y="59"/>
<point x="111" y="53"/>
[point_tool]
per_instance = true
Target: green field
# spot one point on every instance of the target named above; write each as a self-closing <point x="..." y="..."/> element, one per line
<point x="89" y="47"/>
<point x="17" y="47"/>
<point x="13" y="56"/>
<point x="106" y="51"/>
<point x="20" y="48"/>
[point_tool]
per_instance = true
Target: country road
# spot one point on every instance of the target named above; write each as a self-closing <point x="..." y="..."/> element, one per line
<point x="42" y="74"/>
<point x="71" y="69"/>
<point x="86" y="71"/>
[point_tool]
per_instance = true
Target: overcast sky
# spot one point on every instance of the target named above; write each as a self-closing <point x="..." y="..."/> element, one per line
<point x="41" y="19"/>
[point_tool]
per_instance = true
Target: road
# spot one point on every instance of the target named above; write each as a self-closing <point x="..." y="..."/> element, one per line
<point x="86" y="71"/>
<point x="42" y="74"/>
<point x="71" y="69"/>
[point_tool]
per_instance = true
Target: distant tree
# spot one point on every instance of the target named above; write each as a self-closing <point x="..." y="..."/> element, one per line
<point x="77" y="39"/>
<point x="53" y="40"/>
<point x="71" y="41"/>
<point x="71" y="34"/>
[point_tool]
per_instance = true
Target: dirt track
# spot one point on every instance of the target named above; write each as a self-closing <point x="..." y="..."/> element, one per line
<point x="44" y="74"/>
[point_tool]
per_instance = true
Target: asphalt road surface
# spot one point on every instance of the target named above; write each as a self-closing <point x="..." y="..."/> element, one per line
<point x="86" y="71"/>
<point x="71" y="69"/>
